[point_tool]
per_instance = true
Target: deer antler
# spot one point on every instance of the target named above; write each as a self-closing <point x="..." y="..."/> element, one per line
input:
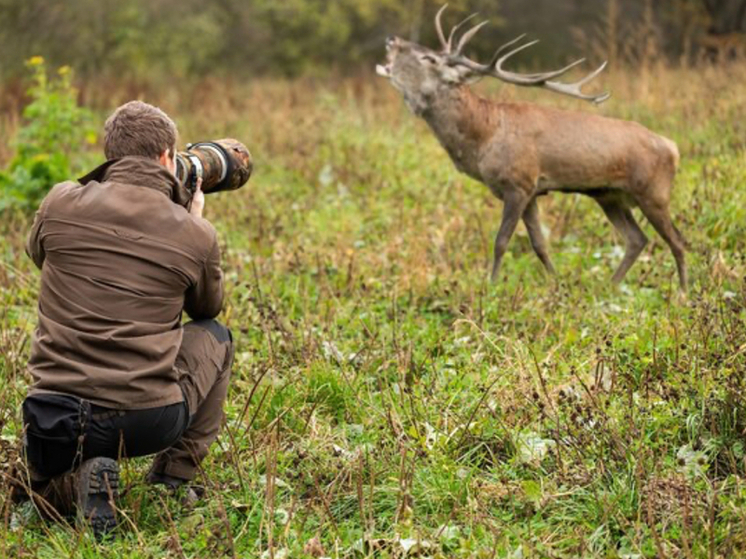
<point x="447" y="44"/>
<point x="573" y="89"/>
<point x="495" y="66"/>
<point x="439" y="27"/>
<point x="452" y="34"/>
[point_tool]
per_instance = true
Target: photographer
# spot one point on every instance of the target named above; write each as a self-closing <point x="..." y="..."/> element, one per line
<point x="115" y="373"/>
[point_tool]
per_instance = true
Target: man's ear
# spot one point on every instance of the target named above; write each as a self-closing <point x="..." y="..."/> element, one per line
<point x="165" y="158"/>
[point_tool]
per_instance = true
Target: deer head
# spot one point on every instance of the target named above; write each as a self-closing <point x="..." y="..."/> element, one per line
<point x="420" y="73"/>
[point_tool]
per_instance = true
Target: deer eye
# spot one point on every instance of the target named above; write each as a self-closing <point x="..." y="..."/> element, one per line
<point x="429" y="58"/>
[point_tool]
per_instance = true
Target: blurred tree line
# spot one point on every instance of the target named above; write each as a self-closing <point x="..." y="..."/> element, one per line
<point x="176" y="38"/>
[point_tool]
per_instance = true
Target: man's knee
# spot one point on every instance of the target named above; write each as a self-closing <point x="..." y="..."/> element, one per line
<point x="208" y="336"/>
<point x="204" y="360"/>
<point x="219" y="331"/>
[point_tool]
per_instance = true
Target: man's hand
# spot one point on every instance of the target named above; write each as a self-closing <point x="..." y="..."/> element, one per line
<point x="198" y="201"/>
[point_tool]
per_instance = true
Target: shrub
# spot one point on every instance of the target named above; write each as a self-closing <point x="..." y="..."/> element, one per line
<point x="55" y="128"/>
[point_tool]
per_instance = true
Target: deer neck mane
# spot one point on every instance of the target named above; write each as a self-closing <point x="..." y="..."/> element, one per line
<point x="462" y="122"/>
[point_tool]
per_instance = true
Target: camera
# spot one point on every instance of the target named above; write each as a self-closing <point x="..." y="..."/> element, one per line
<point x="222" y="165"/>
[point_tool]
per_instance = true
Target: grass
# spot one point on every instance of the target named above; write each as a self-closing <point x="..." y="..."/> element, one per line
<point x="388" y="400"/>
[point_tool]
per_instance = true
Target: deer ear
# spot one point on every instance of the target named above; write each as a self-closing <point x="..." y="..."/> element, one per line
<point x="457" y="74"/>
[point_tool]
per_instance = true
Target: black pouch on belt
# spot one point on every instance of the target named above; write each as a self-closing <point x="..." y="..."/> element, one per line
<point x="55" y="425"/>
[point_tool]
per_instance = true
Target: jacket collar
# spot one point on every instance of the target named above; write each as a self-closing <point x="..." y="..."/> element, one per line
<point x="139" y="171"/>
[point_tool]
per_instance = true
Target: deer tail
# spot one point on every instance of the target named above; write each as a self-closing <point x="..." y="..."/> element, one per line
<point x="674" y="149"/>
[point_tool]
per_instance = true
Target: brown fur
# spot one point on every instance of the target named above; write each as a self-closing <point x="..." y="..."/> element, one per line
<point x="521" y="151"/>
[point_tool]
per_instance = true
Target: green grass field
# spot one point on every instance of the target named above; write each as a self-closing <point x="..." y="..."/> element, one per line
<point x="388" y="401"/>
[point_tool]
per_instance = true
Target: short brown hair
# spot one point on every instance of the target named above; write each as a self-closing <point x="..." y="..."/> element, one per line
<point x="137" y="128"/>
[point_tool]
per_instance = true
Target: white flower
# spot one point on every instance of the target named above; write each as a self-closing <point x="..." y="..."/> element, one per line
<point x="532" y="448"/>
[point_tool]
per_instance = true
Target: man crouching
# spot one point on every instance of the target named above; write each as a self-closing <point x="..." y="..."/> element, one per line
<point x="115" y="373"/>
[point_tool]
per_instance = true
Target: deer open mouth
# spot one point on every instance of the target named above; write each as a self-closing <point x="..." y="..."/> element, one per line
<point x="383" y="70"/>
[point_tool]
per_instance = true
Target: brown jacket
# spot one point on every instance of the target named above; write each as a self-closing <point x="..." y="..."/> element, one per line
<point x="119" y="261"/>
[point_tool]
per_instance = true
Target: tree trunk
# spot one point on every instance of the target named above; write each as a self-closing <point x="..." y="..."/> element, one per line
<point x="727" y="16"/>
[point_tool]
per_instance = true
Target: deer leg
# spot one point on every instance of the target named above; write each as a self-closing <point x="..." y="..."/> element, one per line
<point x="515" y="205"/>
<point x="660" y="219"/>
<point x="624" y="222"/>
<point x="533" y="226"/>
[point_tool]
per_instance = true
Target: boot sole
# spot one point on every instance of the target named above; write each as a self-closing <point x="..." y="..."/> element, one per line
<point x="98" y="488"/>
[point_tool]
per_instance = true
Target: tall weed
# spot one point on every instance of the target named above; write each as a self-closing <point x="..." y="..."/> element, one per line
<point x="54" y="131"/>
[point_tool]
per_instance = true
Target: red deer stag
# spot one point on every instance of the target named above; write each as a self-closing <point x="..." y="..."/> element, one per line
<point x="521" y="151"/>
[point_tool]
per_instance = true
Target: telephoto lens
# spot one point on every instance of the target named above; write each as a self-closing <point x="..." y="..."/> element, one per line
<point x="222" y="165"/>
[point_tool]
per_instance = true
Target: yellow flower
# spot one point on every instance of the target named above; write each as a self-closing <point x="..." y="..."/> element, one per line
<point x="36" y="61"/>
<point x="64" y="70"/>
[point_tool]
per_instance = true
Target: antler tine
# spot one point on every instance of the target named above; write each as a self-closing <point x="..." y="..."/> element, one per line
<point x="452" y="35"/>
<point x="556" y="73"/>
<point x="502" y="59"/>
<point x="593" y="74"/>
<point x="512" y="77"/>
<point x="498" y="52"/>
<point x="466" y="37"/>
<point x="439" y="26"/>
<point x="573" y="89"/>
<point x="529" y="79"/>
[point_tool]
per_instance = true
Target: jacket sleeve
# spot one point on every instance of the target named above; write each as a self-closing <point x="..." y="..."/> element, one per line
<point x="204" y="299"/>
<point x="34" y="245"/>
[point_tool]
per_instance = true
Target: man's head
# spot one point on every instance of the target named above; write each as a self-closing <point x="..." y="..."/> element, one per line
<point x="137" y="128"/>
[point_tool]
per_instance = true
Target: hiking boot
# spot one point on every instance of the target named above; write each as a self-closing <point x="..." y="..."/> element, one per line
<point x="172" y="483"/>
<point x="192" y="493"/>
<point x="96" y="491"/>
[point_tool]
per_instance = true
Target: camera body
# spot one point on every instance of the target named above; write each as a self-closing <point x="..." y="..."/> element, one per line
<point x="222" y="165"/>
